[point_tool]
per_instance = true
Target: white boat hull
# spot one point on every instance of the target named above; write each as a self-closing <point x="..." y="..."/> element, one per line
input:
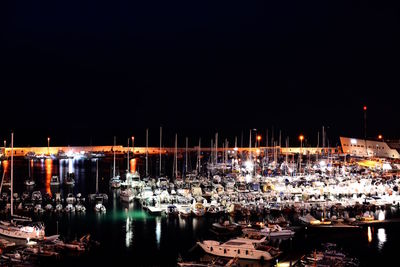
<point x="231" y="252"/>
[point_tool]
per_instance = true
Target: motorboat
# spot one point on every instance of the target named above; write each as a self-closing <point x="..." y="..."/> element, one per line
<point x="99" y="207"/>
<point x="69" y="208"/>
<point x="309" y="219"/>
<point x="273" y="230"/>
<point x="36" y="196"/>
<point x="29" y="182"/>
<point x="226" y="227"/>
<point x="59" y="207"/>
<point x="127" y="195"/>
<point x="48" y="207"/>
<point x="80" y="208"/>
<point x="70" y="199"/>
<point x="185" y="211"/>
<point x="115" y="182"/>
<point x="38" y="208"/>
<point x="198" y="209"/>
<point x="243" y="248"/>
<point x="11" y="229"/>
<point x="172" y="210"/>
<point x="55" y="180"/>
<point x="69" y="180"/>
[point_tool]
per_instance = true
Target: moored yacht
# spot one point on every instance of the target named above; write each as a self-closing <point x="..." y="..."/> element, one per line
<point x="127" y="195"/>
<point x="243" y="248"/>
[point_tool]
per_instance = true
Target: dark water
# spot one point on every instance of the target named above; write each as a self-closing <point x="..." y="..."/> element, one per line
<point x="129" y="234"/>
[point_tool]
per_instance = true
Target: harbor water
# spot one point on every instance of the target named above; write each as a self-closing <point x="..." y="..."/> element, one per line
<point x="129" y="234"/>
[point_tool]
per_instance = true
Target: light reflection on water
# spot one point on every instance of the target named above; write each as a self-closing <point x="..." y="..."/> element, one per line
<point x="158" y="231"/>
<point x="369" y="234"/>
<point x="49" y="171"/>
<point x="129" y="232"/>
<point x="381" y="238"/>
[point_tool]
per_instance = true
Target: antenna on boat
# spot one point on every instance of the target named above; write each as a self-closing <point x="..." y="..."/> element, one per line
<point x="160" y="150"/>
<point x="186" y="156"/>
<point x="12" y="174"/>
<point x="216" y="148"/>
<point x="147" y="152"/>
<point x="251" y="154"/>
<point x="97" y="176"/>
<point x="114" y="156"/>
<point x="198" y="157"/>
<point x="175" y="167"/>
<point x="127" y="159"/>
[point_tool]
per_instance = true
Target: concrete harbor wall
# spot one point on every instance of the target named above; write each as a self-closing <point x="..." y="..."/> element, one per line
<point x="23" y="151"/>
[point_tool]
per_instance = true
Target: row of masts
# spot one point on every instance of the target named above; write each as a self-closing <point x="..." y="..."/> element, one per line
<point x="214" y="154"/>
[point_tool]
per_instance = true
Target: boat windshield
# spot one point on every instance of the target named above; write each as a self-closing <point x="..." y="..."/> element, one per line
<point x="234" y="243"/>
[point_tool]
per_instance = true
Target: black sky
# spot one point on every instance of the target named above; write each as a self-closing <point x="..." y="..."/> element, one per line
<point x="88" y="70"/>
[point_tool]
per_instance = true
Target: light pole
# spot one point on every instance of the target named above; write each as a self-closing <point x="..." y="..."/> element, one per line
<point x="133" y="150"/>
<point x="301" y="137"/>
<point x="365" y="122"/>
<point x="48" y="145"/>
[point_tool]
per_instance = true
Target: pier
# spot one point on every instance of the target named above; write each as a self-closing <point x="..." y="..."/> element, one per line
<point x="56" y="150"/>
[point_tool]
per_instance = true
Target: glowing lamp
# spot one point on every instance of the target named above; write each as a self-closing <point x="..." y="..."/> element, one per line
<point x="380" y="136"/>
<point x="301" y="137"/>
<point x="365" y="108"/>
<point x="258" y="137"/>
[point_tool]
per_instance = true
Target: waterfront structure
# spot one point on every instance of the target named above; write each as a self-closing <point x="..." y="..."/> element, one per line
<point x="367" y="148"/>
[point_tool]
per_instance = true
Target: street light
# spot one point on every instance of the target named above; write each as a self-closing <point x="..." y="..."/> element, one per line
<point x="301" y="137"/>
<point x="380" y="137"/>
<point x="48" y="145"/>
<point x="365" y="122"/>
<point x="258" y="139"/>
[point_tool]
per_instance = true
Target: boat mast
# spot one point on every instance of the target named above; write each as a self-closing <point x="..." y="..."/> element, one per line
<point x="317" y="146"/>
<point x="198" y="157"/>
<point x="127" y="159"/>
<point x="186" y="156"/>
<point x="216" y="148"/>
<point x="147" y="152"/>
<point x="114" y="157"/>
<point x="12" y="174"/>
<point x="160" y="150"/>
<point x="97" y="176"/>
<point x="251" y="154"/>
<point x="176" y="157"/>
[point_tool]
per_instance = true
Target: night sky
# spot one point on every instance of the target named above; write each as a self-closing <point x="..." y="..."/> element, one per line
<point x="83" y="71"/>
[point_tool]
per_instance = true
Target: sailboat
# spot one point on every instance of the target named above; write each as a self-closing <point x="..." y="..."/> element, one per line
<point x="29" y="181"/>
<point x="98" y="198"/>
<point x="115" y="181"/>
<point x="11" y="228"/>
<point x="128" y="194"/>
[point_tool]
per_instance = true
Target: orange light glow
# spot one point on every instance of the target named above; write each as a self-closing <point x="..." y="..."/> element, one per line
<point x="132" y="165"/>
<point x="369" y="233"/>
<point x="258" y="137"/>
<point x="301" y="137"/>
<point x="380" y="136"/>
<point x="48" y="164"/>
<point x="5" y="165"/>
